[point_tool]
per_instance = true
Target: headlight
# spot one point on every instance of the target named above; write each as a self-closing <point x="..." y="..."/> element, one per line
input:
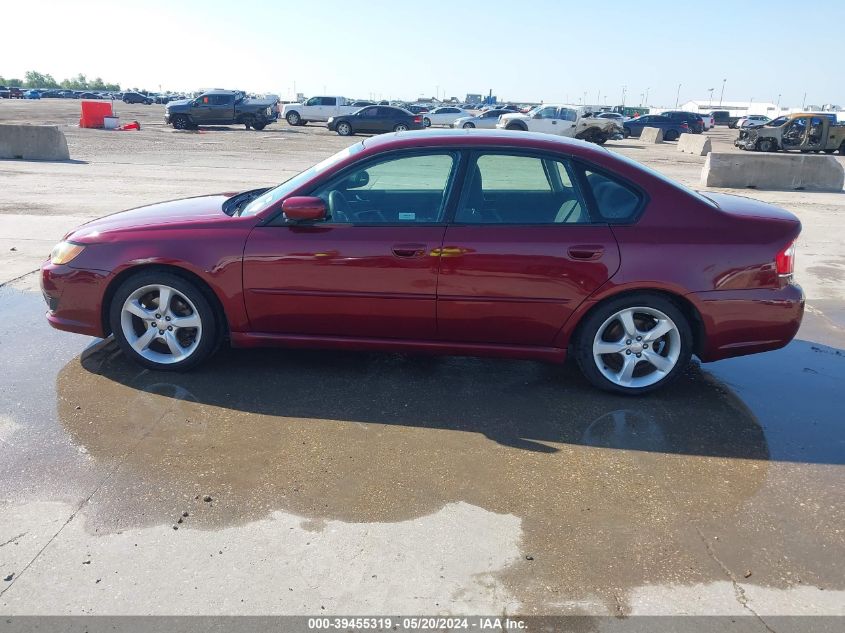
<point x="63" y="252"/>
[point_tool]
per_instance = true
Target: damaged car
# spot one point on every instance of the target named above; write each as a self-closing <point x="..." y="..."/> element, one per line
<point x="819" y="132"/>
<point x="572" y="121"/>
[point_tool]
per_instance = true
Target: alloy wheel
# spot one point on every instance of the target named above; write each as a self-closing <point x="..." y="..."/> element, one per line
<point x="637" y="347"/>
<point x="161" y="324"/>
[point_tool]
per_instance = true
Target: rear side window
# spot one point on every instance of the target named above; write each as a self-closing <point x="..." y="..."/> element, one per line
<point x="617" y="203"/>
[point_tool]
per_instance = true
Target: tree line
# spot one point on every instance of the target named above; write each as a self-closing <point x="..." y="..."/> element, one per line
<point x="34" y="79"/>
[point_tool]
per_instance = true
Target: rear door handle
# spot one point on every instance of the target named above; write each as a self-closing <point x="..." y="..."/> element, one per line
<point x="409" y="250"/>
<point x="586" y="252"/>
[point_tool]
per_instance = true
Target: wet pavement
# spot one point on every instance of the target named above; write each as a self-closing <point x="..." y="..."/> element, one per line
<point x="334" y="482"/>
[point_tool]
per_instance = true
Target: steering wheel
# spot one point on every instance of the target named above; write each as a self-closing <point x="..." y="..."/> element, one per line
<point x="339" y="206"/>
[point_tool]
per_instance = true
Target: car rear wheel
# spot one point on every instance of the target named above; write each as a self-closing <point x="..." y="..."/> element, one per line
<point x="671" y="135"/>
<point x="181" y="122"/>
<point x="400" y="127"/>
<point x="634" y="344"/>
<point x="163" y="322"/>
<point x="344" y="129"/>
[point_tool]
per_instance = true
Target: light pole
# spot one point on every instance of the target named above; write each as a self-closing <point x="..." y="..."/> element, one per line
<point x="777" y="106"/>
<point x="624" y="90"/>
<point x="722" y="94"/>
<point x="711" y="97"/>
<point x="642" y="94"/>
<point x="804" y="101"/>
<point x="646" y="95"/>
<point x="678" y="95"/>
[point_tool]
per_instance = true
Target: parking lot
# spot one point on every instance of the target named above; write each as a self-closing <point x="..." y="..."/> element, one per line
<point x="303" y="482"/>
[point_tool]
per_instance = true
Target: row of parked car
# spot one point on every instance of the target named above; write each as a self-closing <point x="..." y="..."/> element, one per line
<point x="56" y="93"/>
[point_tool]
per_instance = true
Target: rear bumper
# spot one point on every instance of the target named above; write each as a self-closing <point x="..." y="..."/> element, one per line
<point x="74" y="298"/>
<point x="740" y="322"/>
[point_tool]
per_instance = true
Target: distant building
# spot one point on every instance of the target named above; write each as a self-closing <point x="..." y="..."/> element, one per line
<point x="735" y="108"/>
<point x="474" y="98"/>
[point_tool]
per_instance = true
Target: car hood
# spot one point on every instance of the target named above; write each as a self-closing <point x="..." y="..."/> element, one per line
<point x="202" y="209"/>
<point x="178" y="102"/>
<point x="514" y="116"/>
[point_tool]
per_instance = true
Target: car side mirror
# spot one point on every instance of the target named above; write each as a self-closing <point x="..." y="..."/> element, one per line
<point x="304" y="208"/>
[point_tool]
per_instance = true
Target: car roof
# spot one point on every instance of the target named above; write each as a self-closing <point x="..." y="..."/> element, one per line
<point x="481" y="138"/>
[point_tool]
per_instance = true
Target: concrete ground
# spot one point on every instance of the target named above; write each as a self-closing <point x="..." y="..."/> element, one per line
<point x="385" y="483"/>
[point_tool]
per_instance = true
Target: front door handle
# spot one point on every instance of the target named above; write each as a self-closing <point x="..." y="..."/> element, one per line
<point x="409" y="250"/>
<point x="586" y="252"/>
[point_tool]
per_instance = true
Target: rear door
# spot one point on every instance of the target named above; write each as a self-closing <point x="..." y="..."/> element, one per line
<point x="522" y="252"/>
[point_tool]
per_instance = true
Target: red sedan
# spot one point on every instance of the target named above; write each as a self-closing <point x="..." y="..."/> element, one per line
<point x="460" y="242"/>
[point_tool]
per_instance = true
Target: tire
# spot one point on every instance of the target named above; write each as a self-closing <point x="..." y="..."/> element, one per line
<point x="344" y="128"/>
<point x="766" y="145"/>
<point x="400" y="127"/>
<point x="468" y="126"/>
<point x="829" y="151"/>
<point x="426" y="121"/>
<point x="258" y="125"/>
<point x="293" y="118"/>
<point x="248" y="122"/>
<point x="181" y="122"/>
<point x="626" y="133"/>
<point x="842" y="149"/>
<point x="622" y="371"/>
<point x="671" y="135"/>
<point x="516" y="127"/>
<point x="156" y="351"/>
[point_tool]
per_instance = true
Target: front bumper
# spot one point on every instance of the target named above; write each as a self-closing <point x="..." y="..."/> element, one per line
<point x="741" y="322"/>
<point x="74" y="298"/>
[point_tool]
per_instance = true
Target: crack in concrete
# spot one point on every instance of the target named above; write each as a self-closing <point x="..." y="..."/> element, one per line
<point x="82" y="504"/>
<point x="739" y="591"/>
<point x="14" y="538"/>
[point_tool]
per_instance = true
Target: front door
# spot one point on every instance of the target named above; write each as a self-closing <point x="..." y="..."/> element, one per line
<point x="545" y="120"/>
<point x="522" y="253"/>
<point x="370" y="270"/>
<point x="201" y="110"/>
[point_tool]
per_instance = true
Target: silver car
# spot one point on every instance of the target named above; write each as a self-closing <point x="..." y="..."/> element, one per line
<point x="486" y="120"/>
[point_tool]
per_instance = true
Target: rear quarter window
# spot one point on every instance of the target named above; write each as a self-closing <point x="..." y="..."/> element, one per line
<point x="616" y="202"/>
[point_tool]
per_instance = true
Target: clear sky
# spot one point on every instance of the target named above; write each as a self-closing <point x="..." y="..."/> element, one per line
<point x="524" y="50"/>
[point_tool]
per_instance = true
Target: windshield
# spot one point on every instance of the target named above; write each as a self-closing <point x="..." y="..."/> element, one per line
<point x="277" y="193"/>
<point x="777" y="122"/>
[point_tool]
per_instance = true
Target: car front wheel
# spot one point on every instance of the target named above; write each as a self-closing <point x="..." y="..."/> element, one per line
<point x="163" y="322"/>
<point x="344" y="129"/>
<point x="634" y="345"/>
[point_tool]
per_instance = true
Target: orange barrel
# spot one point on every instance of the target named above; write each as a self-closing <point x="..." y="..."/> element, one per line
<point x="93" y="113"/>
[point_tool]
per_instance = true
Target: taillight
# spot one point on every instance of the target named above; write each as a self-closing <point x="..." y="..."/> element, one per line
<point x="684" y="126"/>
<point x="785" y="260"/>
<point x="417" y="119"/>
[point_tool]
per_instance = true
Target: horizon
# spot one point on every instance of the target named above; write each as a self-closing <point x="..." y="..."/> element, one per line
<point x="430" y="50"/>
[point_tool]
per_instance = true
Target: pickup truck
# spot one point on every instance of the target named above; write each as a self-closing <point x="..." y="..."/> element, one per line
<point x="573" y="121"/>
<point x="220" y="107"/>
<point x="317" y="109"/>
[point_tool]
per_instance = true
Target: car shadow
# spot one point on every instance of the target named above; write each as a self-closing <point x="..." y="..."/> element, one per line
<point x="521" y="404"/>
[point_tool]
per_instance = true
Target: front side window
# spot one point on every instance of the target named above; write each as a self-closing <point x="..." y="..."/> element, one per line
<point x="313" y="101"/>
<point x="546" y="113"/>
<point x="369" y="113"/>
<point x="405" y="190"/>
<point x="514" y="189"/>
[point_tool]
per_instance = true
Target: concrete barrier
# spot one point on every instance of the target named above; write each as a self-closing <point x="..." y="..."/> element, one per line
<point x="696" y="144"/>
<point x="33" y="142"/>
<point x="756" y="170"/>
<point x="651" y="135"/>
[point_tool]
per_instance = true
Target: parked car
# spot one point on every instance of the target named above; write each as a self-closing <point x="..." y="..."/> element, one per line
<point x="376" y="119"/>
<point x="444" y="115"/>
<point x="611" y="115"/>
<point x="32" y="94"/>
<point x="573" y="121"/>
<point x="220" y="107"/>
<point x="367" y="251"/>
<point x="137" y="97"/>
<point x="806" y="132"/>
<point x="692" y="119"/>
<point x="708" y="120"/>
<point x="671" y="129"/>
<point x="362" y="104"/>
<point x="752" y="120"/>
<point x="486" y="120"/>
<point x="5" y="92"/>
<point x="90" y="95"/>
<point x="723" y="117"/>
<point x="416" y="109"/>
<point x="319" y="109"/>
